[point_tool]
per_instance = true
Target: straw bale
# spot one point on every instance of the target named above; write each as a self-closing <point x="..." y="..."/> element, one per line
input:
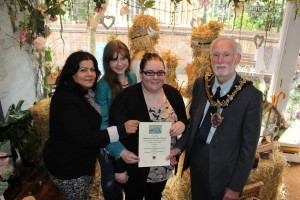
<point x="40" y="117"/>
<point x="269" y="171"/>
<point x="178" y="187"/>
<point x="95" y="189"/>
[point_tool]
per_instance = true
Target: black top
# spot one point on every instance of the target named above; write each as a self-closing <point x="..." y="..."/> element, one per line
<point x="75" y="138"/>
<point x="131" y="105"/>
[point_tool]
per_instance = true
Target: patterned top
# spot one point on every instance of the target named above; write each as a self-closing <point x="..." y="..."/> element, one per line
<point x="162" y="114"/>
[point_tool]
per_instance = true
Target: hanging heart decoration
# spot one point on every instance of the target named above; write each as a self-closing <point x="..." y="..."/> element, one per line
<point x="268" y="54"/>
<point x="108" y="21"/>
<point x="258" y="40"/>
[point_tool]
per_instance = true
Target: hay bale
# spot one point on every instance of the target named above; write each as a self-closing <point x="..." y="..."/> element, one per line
<point x="178" y="187"/>
<point x="40" y="117"/>
<point x="95" y="189"/>
<point x="269" y="171"/>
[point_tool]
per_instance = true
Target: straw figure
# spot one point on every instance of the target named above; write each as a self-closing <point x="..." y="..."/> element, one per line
<point x="201" y="38"/>
<point x="143" y="36"/>
<point x="171" y="62"/>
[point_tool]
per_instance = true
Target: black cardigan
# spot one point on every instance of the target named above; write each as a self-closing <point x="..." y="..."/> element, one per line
<point x="131" y="105"/>
<point x="75" y="139"/>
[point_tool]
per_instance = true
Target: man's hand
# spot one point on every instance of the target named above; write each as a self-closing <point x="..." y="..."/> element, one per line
<point x="172" y="156"/>
<point x="121" y="177"/>
<point x="230" y="194"/>
<point x="129" y="157"/>
<point x="131" y="126"/>
<point x="177" y="129"/>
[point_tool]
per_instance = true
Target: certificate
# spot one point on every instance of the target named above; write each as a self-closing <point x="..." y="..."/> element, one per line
<point x="154" y="143"/>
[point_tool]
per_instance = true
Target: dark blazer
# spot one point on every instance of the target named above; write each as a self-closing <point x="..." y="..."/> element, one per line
<point x="131" y="105"/>
<point x="75" y="138"/>
<point x="233" y="146"/>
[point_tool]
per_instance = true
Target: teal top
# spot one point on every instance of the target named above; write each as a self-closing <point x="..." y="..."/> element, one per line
<point x="103" y="98"/>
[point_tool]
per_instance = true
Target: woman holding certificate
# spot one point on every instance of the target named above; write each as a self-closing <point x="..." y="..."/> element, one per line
<point x="148" y="101"/>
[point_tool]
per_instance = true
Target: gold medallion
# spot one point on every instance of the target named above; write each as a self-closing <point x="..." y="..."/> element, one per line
<point x="216" y="119"/>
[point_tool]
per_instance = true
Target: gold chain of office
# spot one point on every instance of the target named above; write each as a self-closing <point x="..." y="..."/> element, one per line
<point x="225" y="100"/>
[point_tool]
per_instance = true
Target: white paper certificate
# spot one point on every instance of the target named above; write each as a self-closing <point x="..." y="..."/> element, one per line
<point x="154" y="143"/>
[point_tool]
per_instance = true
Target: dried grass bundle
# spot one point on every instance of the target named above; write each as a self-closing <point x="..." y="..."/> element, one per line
<point x="172" y="62"/>
<point x="40" y="117"/>
<point x="199" y="67"/>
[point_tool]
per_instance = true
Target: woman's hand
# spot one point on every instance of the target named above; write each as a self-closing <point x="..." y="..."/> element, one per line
<point x="121" y="177"/>
<point x="129" y="157"/>
<point x="177" y="129"/>
<point x="131" y="126"/>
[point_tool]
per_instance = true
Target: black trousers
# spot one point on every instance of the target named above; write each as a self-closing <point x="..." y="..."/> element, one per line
<point x="199" y="172"/>
<point x="138" y="188"/>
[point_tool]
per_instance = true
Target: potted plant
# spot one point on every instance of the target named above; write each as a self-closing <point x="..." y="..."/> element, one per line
<point x="19" y="131"/>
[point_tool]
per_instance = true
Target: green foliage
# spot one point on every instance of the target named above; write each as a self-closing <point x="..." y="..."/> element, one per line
<point x="149" y="4"/>
<point x="293" y="103"/>
<point x="18" y="129"/>
<point x="99" y="3"/>
<point x="268" y="16"/>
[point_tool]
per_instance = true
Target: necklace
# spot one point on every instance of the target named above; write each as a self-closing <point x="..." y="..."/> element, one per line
<point x="216" y="118"/>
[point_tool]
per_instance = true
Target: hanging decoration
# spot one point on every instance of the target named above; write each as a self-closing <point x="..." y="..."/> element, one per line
<point x="108" y="21"/>
<point x="258" y="40"/>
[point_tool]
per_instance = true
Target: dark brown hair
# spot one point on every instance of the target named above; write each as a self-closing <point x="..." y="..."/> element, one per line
<point x="114" y="46"/>
<point x="149" y="56"/>
<point x="71" y="67"/>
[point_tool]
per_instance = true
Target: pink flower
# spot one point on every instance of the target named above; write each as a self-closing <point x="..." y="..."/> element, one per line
<point x="125" y="11"/>
<point x="99" y="10"/>
<point x="53" y="18"/>
<point x="42" y="9"/>
<point x="203" y="2"/>
<point x="39" y="43"/>
<point x="23" y="36"/>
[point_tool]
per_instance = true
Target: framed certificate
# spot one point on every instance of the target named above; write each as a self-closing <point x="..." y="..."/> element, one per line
<point x="154" y="143"/>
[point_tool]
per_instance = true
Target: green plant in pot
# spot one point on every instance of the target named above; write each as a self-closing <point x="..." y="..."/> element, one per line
<point x="18" y="130"/>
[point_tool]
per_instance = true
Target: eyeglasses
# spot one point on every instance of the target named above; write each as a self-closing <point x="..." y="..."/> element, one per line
<point x="225" y="55"/>
<point x="152" y="73"/>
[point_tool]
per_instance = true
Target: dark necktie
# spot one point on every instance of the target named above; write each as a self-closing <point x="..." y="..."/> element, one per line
<point x="206" y="124"/>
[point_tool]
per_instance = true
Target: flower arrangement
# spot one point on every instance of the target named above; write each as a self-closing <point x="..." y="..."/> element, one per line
<point x="36" y="14"/>
<point x="42" y="57"/>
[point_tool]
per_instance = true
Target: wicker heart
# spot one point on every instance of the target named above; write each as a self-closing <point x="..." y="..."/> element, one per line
<point x="108" y="21"/>
<point x="258" y="40"/>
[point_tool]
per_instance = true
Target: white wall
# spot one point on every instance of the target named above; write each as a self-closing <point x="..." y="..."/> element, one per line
<point x="16" y="67"/>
